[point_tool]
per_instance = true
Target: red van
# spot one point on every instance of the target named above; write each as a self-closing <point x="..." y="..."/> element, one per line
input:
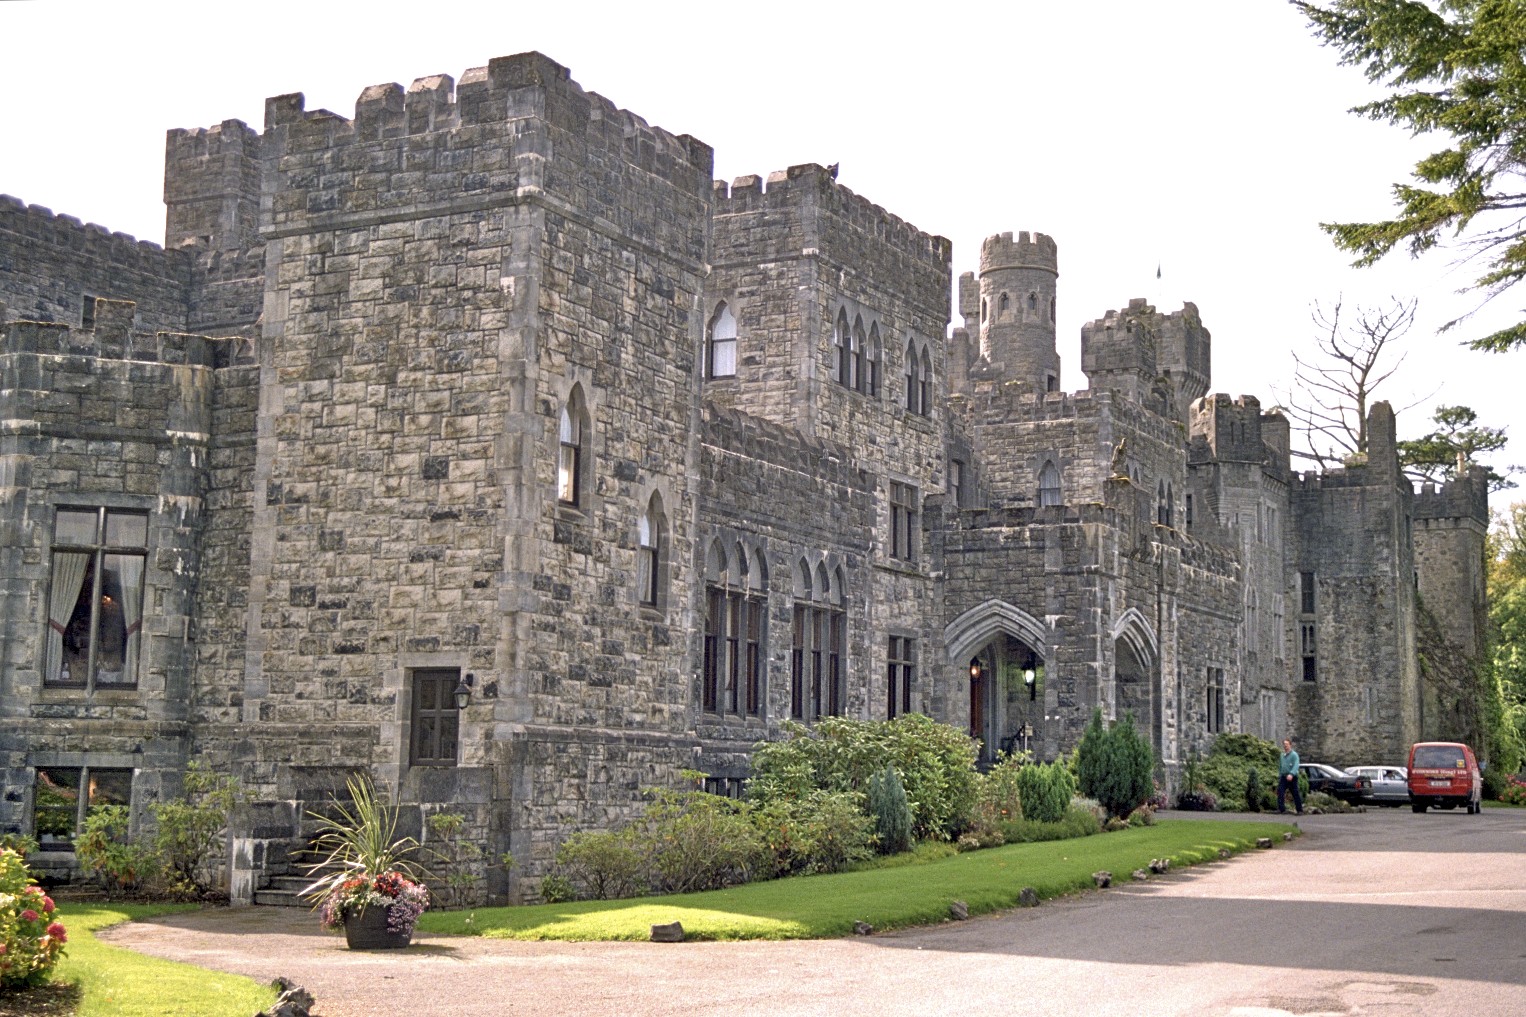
<point x="1446" y="775"/>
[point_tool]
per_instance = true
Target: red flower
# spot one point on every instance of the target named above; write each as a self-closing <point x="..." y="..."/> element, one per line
<point x="56" y="931"/>
<point x="29" y="915"/>
<point x="47" y="904"/>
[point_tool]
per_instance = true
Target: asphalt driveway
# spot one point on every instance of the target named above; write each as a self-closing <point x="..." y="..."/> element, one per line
<point x="1372" y="914"/>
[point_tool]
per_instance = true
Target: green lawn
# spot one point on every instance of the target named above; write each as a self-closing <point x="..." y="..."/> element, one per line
<point x="815" y="907"/>
<point x="115" y="982"/>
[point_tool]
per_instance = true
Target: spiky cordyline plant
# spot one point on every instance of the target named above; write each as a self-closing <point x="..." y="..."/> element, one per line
<point x="361" y="839"/>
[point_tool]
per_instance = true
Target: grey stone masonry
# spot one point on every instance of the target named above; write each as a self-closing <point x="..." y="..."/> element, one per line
<point x="490" y="392"/>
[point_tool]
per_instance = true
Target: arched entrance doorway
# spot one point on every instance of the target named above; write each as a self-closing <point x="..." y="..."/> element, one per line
<point x="1006" y="697"/>
<point x="1001" y="652"/>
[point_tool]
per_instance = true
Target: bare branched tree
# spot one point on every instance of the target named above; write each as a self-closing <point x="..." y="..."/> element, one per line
<point x="1333" y="390"/>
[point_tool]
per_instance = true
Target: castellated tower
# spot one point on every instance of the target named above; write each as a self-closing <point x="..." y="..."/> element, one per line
<point x="1017" y="310"/>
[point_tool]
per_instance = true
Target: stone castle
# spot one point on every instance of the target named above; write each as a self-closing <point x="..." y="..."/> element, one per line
<point x="485" y="443"/>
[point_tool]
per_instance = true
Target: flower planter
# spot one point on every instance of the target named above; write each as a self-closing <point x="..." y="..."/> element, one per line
<point x="367" y="930"/>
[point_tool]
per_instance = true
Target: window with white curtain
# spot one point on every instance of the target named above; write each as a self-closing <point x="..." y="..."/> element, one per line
<point x="95" y="598"/>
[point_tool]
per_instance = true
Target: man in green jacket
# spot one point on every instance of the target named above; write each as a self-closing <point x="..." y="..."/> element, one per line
<point x="1287" y="778"/>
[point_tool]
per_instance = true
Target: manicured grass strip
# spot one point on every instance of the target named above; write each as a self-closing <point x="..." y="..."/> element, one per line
<point x="818" y="907"/>
<point x="117" y="982"/>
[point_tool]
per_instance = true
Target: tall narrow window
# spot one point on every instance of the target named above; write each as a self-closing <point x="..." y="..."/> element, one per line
<point x="434" y="720"/>
<point x="854" y="379"/>
<point x="818" y="646"/>
<point x="925" y="383"/>
<point x="95" y="603"/>
<point x="571" y="454"/>
<point x="840" y="353"/>
<point x="721" y="359"/>
<point x="1214" y="713"/>
<point x="1049" y="486"/>
<point x="1189" y="509"/>
<point x="1310" y="656"/>
<point x="901" y="671"/>
<point x="956" y="483"/>
<point x="913" y="391"/>
<point x="649" y="554"/>
<point x="905" y="520"/>
<point x="1306" y="592"/>
<point x="1003" y="307"/>
<point x="872" y="355"/>
<point x="87" y="312"/>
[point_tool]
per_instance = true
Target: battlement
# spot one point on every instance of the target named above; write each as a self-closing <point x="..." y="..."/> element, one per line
<point x="507" y="90"/>
<point x="1466" y="496"/>
<point x="32" y="220"/>
<point x="815" y="186"/>
<point x="1035" y="250"/>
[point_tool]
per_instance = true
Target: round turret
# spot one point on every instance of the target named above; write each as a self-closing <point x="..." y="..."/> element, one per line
<point x="1017" y="308"/>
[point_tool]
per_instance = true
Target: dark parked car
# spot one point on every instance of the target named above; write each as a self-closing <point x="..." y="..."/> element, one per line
<point x="1390" y="784"/>
<point x="1332" y="780"/>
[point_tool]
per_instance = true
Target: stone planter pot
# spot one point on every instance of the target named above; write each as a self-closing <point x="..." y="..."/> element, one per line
<point x="367" y="930"/>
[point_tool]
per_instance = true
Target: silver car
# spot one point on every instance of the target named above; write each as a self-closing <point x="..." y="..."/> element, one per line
<point x="1390" y="784"/>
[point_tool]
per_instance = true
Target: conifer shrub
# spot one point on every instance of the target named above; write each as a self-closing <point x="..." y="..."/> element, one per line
<point x="892" y="814"/>
<point x="1253" y="790"/>
<point x="1046" y="790"/>
<point x="1125" y="765"/>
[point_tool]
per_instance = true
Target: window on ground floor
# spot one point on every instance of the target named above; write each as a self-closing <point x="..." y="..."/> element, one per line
<point x="62" y="796"/>
<point x="434" y="721"/>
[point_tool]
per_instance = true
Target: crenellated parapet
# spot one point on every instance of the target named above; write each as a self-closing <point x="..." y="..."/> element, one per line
<point x="519" y="129"/>
<point x="1019" y="250"/>
<point x="52" y="267"/>
<point x="1134" y="350"/>
<point x="212" y="186"/>
<point x="1466" y="496"/>
<point x="866" y="253"/>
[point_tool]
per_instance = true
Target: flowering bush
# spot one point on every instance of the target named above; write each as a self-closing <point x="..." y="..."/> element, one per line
<point x="1514" y="792"/>
<point x="404" y="900"/>
<point x="31" y="940"/>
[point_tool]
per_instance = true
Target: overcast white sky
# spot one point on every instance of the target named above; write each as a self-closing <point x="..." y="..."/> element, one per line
<point x="1206" y="137"/>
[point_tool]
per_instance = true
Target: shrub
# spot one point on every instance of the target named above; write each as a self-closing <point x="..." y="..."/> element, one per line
<point x="998" y="794"/>
<point x="454" y="864"/>
<point x="19" y="843"/>
<point x="892" y="815"/>
<point x="31" y="938"/>
<point x="822" y="832"/>
<point x="556" y="888"/>
<point x="1514" y="791"/>
<point x="1089" y="755"/>
<point x="701" y="841"/>
<point x="190" y="828"/>
<point x="1125" y="765"/>
<point x="1045" y="791"/>
<point x="105" y="851"/>
<point x="1253" y="789"/>
<point x="1226" y="771"/>
<point x="936" y="764"/>
<point x="1325" y="803"/>
<point x="599" y="865"/>
<point x="1142" y="816"/>
<point x="1078" y="821"/>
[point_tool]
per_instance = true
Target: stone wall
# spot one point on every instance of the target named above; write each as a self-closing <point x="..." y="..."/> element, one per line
<point x="51" y="264"/>
<point x="119" y="419"/>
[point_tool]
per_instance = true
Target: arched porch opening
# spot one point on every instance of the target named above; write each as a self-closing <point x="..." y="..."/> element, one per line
<point x="1135" y="663"/>
<point x="1001" y="651"/>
